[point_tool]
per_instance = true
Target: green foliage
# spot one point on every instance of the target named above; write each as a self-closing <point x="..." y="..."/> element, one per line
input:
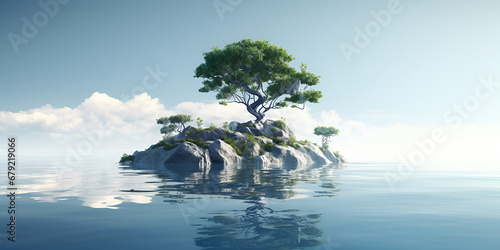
<point x="163" y="121"/>
<point x="338" y="155"/>
<point x="193" y="131"/>
<point x="242" y="125"/>
<point x="308" y="149"/>
<point x="180" y="119"/>
<point x="225" y="125"/>
<point x="292" y="142"/>
<point x="278" y="140"/>
<point x="199" y="122"/>
<point x="212" y="127"/>
<point x="261" y="152"/>
<point x="250" y="138"/>
<point x="268" y="146"/>
<point x="244" y="147"/>
<point x="325" y="133"/>
<point x="167" y="143"/>
<point x="126" y="158"/>
<point x="233" y="144"/>
<point x="256" y="74"/>
<point x="199" y="143"/>
<point x="281" y="124"/>
<point x="170" y="123"/>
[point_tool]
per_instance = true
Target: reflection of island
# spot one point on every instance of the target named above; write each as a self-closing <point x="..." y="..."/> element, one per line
<point x="245" y="183"/>
<point x="258" y="226"/>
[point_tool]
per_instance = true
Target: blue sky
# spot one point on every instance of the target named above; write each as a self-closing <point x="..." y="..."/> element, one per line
<point x="427" y="58"/>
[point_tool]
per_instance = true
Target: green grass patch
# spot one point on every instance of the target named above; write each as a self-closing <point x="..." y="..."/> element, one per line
<point x="126" y="157"/>
<point x="266" y="146"/>
<point x="244" y="148"/>
<point x="341" y="157"/>
<point x="167" y="143"/>
<point x="281" y="124"/>
<point x="233" y="144"/>
<point x="199" y="143"/>
<point x="250" y="138"/>
<point x="194" y="131"/>
<point x="278" y="140"/>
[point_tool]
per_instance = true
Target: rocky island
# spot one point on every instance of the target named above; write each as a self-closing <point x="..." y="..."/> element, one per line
<point x="255" y="74"/>
<point x="264" y="145"/>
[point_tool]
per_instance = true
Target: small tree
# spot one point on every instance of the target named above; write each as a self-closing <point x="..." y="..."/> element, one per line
<point x="225" y="125"/>
<point x="167" y="128"/>
<point x="325" y="133"/>
<point x="199" y="122"/>
<point x="171" y="123"/>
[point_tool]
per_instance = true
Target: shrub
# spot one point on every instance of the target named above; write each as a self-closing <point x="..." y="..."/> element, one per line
<point x="250" y="125"/>
<point x="278" y="140"/>
<point x="199" y="122"/>
<point x="281" y="124"/>
<point x="308" y="149"/>
<point x="250" y="138"/>
<point x="126" y="157"/>
<point x="194" y="131"/>
<point x="212" y="127"/>
<point x="268" y="146"/>
<point x="244" y="147"/>
<point x="233" y="144"/>
<point x="261" y="152"/>
<point x="167" y="143"/>
<point x="199" y="143"/>
<point x="341" y="157"/>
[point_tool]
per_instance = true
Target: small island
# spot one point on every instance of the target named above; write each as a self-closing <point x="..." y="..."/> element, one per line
<point x="256" y="74"/>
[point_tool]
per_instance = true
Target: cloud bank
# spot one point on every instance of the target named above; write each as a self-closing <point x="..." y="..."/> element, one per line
<point x="132" y="125"/>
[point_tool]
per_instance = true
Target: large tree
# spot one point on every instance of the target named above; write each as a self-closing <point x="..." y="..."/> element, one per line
<point x="258" y="75"/>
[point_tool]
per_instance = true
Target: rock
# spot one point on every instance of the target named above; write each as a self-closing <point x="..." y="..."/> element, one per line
<point x="270" y="129"/>
<point x="222" y="153"/>
<point x="331" y="156"/>
<point x="238" y="138"/>
<point x="179" y="137"/>
<point x="205" y="135"/>
<point x="288" y="157"/>
<point x="188" y="157"/>
<point x="260" y="162"/>
<point x="233" y="125"/>
<point x="315" y="155"/>
<point x="189" y="130"/>
<point x="249" y="130"/>
<point x="151" y="159"/>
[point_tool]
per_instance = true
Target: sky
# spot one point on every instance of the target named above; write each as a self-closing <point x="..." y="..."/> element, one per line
<point x="393" y="72"/>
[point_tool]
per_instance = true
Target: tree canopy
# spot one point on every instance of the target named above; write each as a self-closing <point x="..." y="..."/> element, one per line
<point x="171" y="123"/>
<point x="258" y="75"/>
<point x="325" y="133"/>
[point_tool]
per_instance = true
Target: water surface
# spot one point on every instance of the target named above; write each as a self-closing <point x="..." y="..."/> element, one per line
<point x="103" y="205"/>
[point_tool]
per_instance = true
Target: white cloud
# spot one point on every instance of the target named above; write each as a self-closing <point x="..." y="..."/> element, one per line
<point x="134" y="123"/>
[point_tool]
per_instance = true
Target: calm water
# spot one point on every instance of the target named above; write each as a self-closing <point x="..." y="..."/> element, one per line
<point x="102" y="205"/>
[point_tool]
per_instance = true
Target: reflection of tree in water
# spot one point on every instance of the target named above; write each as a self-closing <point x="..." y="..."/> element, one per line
<point x="260" y="227"/>
<point x="246" y="183"/>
